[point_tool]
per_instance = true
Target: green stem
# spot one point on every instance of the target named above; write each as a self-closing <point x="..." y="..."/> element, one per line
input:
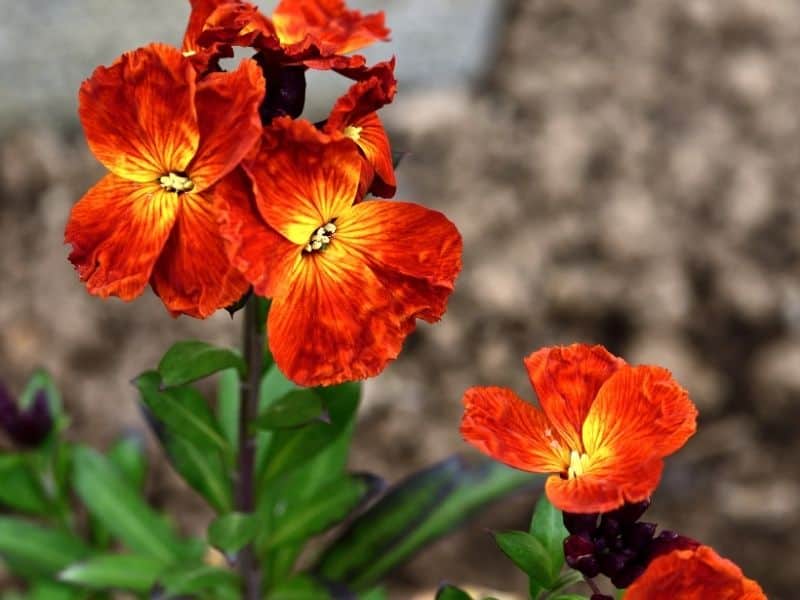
<point x="254" y="343"/>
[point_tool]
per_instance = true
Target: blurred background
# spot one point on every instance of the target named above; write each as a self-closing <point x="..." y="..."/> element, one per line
<point x="623" y="172"/>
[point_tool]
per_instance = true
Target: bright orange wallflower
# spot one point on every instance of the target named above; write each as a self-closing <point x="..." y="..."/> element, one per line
<point x="603" y="428"/>
<point x="347" y="279"/>
<point x="204" y="57"/>
<point x="696" y="574"/>
<point x="316" y="33"/>
<point x="167" y="140"/>
<point x="354" y="116"/>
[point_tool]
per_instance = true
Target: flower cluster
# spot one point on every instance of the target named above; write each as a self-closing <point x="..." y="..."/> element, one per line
<point x="603" y="430"/>
<point x="216" y="187"/>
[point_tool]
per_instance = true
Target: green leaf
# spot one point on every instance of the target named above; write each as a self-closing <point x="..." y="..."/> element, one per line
<point x="228" y="403"/>
<point x="115" y="571"/>
<point x="528" y="554"/>
<point x="547" y="526"/>
<point x="273" y="387"/>
<point x="232" y="532"/>
<point x="570" y="597"/>
<point x="41" y="380"/>
<point x="50" y="590"/>
<point x="415" y="512"/>
<point x="301" y="587"/>
<point x="296" y="408"/>
<point x="191" y="360"/>
<point x="326" y="508"/>
<point x="127" y="455"/>
<point x="21" y="488"/>
<point x="451" y="592"/>
<point x="377" y="593"/>
<point x="116" y="504"/>
<point x="38" y="549"/>
<point x="183" y="410"/>
<point x="216" y="583"/>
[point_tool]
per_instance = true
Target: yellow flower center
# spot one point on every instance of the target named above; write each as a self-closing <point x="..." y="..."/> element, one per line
<point x="321" y="238"/>
<point x="353" y="132"/>
<point x="175" y="182"/>
<point x="578" y="463"/>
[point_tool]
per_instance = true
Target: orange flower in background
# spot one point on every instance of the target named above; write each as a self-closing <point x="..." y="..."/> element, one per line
<point x="167" y="140"/>
<point x="354" y="116"/>
<point x="696" y="574"/>
<point x="347" y="279"/>
<point x="603" y="428"/>
<point x="205" y="57"/>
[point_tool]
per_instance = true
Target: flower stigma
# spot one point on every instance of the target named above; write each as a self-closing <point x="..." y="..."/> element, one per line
<point x="321" y="238"/>
<point x="174" y="182"/>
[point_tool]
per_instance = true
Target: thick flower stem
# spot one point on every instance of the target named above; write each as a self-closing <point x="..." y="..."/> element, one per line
<point x="254" y="343"/>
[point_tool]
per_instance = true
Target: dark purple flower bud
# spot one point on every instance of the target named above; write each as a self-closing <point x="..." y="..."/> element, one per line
<point x="286" y="90"/>
<point x="639" y="535"/>
<point x="612" y="563"/>
<point x="28" y="427"/>
<point x="580" y="523"/>
<point x="601" y="597"/>
<point x="577" y="547"/>
<point x="628" y="575"/>
<point x="588" y="566"/>
<point x="669" y="541"/>
<point x="630" y="513"/>
<point x="609" y="527"/>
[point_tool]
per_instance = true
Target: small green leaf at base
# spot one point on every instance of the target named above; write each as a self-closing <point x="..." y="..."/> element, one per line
<point x="191" y="360"/>
<point x="232" y="532"/>
<point x="451" y="592"/>
<point x="294" y="409"/>
<point x="547" y="526"/>
<point x="528" y="554"/>
<point x="120" y="572"/>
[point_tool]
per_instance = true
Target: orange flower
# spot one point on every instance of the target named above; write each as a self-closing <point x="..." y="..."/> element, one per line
<point x="204" y="57"/>
<point x="315" y="33"/>
<point x="168" y="140"/>
<point x="354" y="116"/>
<point x="696" y="574"/>
<point x="347" y="280"/>
<point x="603" y="428"/>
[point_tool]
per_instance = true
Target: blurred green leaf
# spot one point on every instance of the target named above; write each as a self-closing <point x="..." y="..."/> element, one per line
<point x="570" y="597"/>
<point x="228" y="403"/>
<point x="232" y="532"/>
<point x="298" y="407"/>
<point x="377" y="593"/>
<point x="451" y="592"/>
<point x="274" y="385"/>
<point x="301" y="587"/>
<point x="38" y="549"/>
<point x="115" y="571"/>
<point x="117" y="505"/>
<point x="127" y="455"/>
<point x="420" y="509"/>
<point x="51" y="590"/>
<point x="528" y="554"/>
<point x="210" y="582"/>
<point x="547" y="526"/>
<point x="191" y="360"/>
<point x="182" y="410"/>
<point x="21" y="488"/>
<point x="41" y="380"/>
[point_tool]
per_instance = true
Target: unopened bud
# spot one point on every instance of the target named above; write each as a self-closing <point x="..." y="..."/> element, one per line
<point x="26" y="427"/>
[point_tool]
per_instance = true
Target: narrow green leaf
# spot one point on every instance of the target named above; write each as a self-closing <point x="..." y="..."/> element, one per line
<point x="547" y="526"/>
<point x="191" y="360"/>
<point x="203" y="469"/>
<point x="298" y="407"/>
<point x="301" y="587"/>
<point x="528" y="554"/>
<point x="38" y="549"/>
<point x="21" y="488"/>
<point x="115" y="503"/>
<point x="274" y="385"/>
<point x="232" y="532"/>
<point x="127" y="455"/>
<point x="183" y="411"/>
<point x="214" y="582"/>
<point x="451" y="592"/>
<point x="228" y="403"/>
<point x="115" y="571"/>
<point x="51" y="590"/>
<point x="377" y="593"/>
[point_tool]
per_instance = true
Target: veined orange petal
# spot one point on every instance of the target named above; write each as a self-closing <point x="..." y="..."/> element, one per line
<point x="414" y="251"/>
<point x="139" y="114"/>
<point x="200" y="12"/>
<point x="227" y="112"/>
<point x="698" y="574"/>
<point x="505" y="427"/>
<point x="117" y="231"/>
<point x="374" y="143"/>
<point x="302" y="181"/>
<point x="566" y="380"/>
<point x="376" y="89"/>
<point x="193" y="275"/>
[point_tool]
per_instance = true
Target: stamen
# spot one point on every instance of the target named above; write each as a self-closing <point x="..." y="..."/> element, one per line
<point x="174" y="182"/>
<point x="353" y="132"/>
<point x="321" y="238"/>
<point x="578" y="463"/>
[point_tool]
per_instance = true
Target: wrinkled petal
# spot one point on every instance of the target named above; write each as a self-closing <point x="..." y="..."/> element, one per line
<point x="238" y="24"/>
<point x="414" y="251"/>
<point x="227" y="112"/>
<point x="200" y="12"/>
<point x="505" y="427"/>
<point x="139" y="114"/>
<point x="566" y="380"/>
<point x="117" y="231"/>
<point x="371" y="138"/>
<point x="302" y="181"/>
<point x="364" y="97"/>
<point x="699" y="574"/>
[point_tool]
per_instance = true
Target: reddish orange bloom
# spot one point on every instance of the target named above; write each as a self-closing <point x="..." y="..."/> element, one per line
<point x="315" y="33"/>
<point x="168" y="140"/>
<point x="347" y="279"/>
<point x="697" y="574"/>
<point x="354" y="116"/>
<point x="205" y="57"/>
<point x="603" y="428"/>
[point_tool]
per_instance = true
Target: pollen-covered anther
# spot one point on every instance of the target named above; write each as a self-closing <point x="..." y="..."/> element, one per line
<point x="174" y="182"/>
<point x="578" y="463"/>
<point x="321" y="237"/>
<point x="353" y="132"/>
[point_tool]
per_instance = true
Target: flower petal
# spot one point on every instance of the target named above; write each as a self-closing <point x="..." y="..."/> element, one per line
<point x="117" y="231"/>
<point x="201" y="11"/>
<point x="505" y="427"/>
<point x="374" y="143"/>
<point x="303" y="180"/>
<point x="373" y="92"/>
<point x="414" y="251"/>
<point x="139" y="115"/>
<point x="566" y="380"/>
<point x="699" y="574"/>
<point x="227" y="112"/>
